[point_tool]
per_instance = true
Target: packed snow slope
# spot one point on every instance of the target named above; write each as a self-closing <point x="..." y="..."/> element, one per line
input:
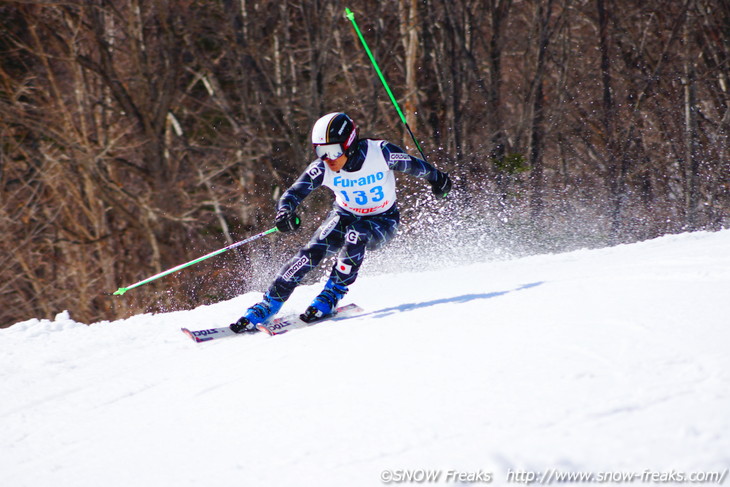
<point x="609" y="360"/>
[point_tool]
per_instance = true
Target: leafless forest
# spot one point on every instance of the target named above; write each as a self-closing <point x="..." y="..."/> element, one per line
<point x="140" y="134"/>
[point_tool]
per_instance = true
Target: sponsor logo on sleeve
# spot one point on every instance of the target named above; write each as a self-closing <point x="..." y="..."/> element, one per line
<point x="399" y="156"/>
<point x="314" y="171"/>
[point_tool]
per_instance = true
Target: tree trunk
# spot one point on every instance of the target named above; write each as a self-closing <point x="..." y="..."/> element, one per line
<point x="537" y="121"/>
<point x="410" y="36"/>
<point x="691" y="140"/>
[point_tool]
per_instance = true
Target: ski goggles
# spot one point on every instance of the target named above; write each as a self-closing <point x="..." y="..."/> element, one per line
<point x="329" y="151"/>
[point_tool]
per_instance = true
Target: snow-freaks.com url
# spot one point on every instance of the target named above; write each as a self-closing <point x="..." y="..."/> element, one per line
<point x="555" y="476"/>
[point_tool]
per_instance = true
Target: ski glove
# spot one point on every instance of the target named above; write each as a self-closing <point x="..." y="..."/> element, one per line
<point x="442" y="185"/>
<point x="287" y="220"/>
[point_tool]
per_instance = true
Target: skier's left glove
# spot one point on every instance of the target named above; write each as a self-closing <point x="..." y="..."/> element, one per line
<point x="442" y="185"/>
<point x="287" y="220"/>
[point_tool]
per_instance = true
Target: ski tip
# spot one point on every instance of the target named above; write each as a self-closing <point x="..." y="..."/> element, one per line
<point x="190" y="334"/>
<point x="265" y="330"/>
<point x="350" y="308"/>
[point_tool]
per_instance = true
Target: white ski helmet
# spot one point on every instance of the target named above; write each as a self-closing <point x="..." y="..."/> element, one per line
<point x="333" y="135"/>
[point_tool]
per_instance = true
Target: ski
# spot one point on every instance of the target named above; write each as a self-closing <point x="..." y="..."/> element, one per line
<point x="276" y="327"/>
<point x="209" y="334"/>
<point x="283" y="325"/>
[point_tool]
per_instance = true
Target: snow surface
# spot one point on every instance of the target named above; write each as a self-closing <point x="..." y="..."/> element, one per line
<point x="602" y="360"/>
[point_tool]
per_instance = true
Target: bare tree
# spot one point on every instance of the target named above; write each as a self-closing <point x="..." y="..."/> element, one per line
<point x="136" y="135"/>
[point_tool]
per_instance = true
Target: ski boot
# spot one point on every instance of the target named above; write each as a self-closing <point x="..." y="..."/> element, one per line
<point x="258" y="313"/>
<point x="325" y="304"/>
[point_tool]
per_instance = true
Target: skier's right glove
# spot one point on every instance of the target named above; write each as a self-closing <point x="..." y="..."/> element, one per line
<point x="442" y="185"/>
<point x="287" y="220"/>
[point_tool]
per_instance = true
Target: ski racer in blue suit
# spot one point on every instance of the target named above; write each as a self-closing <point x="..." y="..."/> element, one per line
<point x="364" y="217"/>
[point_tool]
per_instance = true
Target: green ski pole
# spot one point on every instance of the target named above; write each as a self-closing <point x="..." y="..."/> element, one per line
<point x="351" y="17"/>
<point x="123" y="290"/>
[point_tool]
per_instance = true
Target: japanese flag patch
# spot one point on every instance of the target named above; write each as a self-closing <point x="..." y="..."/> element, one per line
<point x="344" y="268"/>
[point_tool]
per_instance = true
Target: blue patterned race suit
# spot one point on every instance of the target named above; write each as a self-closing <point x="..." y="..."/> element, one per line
<point x="365" y="215"/>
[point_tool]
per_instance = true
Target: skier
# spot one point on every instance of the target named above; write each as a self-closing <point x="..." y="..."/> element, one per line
<point x="364" y="217"/>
